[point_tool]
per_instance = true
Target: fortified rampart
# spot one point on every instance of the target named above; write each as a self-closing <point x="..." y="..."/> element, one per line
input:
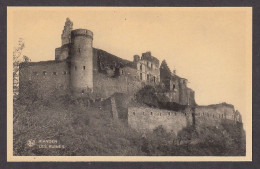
<point x="145" y="119"/>
<point x="46" y="78"/>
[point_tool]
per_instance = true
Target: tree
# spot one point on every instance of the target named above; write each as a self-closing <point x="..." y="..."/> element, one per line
<point x="17" y="59"/>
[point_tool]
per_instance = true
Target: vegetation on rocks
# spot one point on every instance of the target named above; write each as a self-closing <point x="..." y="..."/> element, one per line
<point x="89" y="130"/>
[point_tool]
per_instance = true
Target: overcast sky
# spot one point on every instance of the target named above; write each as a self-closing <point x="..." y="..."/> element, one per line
<point x="208" y="46"/>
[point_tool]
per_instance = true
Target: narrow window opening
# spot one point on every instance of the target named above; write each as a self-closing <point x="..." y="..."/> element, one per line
<point x="75" y="67"/>
<point x="151" y="113"/>
<point x="54" y="73"/>
<point x="64" y="72"/>
<point x="44" y="73"/>
<point x="141" y="76"/>
<point x="84" y="67"/>
<point x="134" y="113"/>
<point x="169" y="113"/>
<point x="173" y="86"/>
<point x="79" y="50"/>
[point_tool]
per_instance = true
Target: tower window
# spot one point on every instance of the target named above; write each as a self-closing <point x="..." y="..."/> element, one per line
<point x="141" y="76"/>
<point x="141" y="67"/>
<point x="84" y="67"/>
<point x="151" y="113"/>
<point x="75" y="67"/>
<point x="173" y="86"/>
<point x="122" y="72"/>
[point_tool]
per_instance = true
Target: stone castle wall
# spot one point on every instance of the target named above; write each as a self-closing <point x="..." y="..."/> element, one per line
<point x="214" y="114"/>
<point x="145" y="119"/>
<point x="45" y="77"/>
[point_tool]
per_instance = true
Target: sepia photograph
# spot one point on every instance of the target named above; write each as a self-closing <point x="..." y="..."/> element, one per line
<point x="129" y="83"/>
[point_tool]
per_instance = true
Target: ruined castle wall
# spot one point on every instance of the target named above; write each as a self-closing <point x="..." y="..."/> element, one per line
<point x="145" y="119"/>
<point x="62" y="52"/>
<point x="45" y="78"/>
<point x="105" y="86"/>
<point x="183" y="92"/>
<point x="213" y="115"/>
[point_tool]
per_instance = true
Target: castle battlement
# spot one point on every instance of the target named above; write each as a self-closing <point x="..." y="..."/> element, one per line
<point x="81" y="32"/>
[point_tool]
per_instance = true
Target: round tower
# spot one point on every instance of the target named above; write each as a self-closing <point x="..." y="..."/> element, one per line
<point x="81" y="67"/>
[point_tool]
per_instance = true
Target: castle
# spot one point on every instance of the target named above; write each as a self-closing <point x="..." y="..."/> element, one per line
<point x="82" y="70"/>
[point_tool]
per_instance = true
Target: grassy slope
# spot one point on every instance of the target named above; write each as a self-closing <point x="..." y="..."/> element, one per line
<point x="91" y="131"/>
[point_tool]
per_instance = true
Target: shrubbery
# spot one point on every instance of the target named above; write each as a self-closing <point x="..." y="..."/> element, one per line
<point x="87" y="130"/>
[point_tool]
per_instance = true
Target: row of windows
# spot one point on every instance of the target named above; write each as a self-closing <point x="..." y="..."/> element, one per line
<point x="54" y="73"/>
<point x="149" y="78"/>
<point x="150" y="65"/>
<point x="151" y="113"/>
<point x="83" y="68"/>
<point x="213" y="115"/>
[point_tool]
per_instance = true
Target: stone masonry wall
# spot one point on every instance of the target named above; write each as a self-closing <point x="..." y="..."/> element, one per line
<point x="212" y="115"/>
<point x="46" y="78"/>
<point x="145" y="119"/>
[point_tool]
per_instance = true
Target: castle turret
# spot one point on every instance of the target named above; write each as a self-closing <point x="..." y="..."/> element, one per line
<point x="65" y="36"/>
<point x="81" y="61"/>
